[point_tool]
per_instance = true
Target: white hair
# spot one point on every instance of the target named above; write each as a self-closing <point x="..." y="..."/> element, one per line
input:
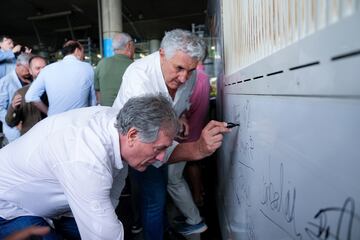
<point x="120" y="40"/>
<point x="23" y="59"/>
<point x="184" y="41"/>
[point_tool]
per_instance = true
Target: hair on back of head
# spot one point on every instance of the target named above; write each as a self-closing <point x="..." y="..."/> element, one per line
<point x="70" y="46"/>
<point x="148" y="114"/>
<point x="120" y="40"/>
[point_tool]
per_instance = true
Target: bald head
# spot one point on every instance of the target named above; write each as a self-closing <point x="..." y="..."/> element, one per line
<point x="36" y="63"/>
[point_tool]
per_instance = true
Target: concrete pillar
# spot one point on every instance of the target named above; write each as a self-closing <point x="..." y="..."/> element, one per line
<point x="111" y="23"/>
<point x="154" y="45"/>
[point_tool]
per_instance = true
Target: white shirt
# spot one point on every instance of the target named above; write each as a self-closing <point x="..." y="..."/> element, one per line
<point x="144" y="76"/>
<point x="68" y="83"/>
<point x="8" y="86"/>
<point x="69" y="161"/>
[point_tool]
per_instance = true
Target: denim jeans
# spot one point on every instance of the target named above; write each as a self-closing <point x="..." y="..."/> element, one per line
<point x="152" y="184"/>
<point x="65" y="227"/>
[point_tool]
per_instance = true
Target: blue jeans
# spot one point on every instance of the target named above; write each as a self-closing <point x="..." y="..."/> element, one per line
<point x="152" y="183"/>
<point x="65" y="227"/>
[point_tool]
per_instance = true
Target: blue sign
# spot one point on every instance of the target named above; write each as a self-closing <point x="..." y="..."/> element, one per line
<point x="108" y="51"/>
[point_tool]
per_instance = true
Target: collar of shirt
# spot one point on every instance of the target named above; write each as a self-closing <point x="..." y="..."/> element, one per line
<point x="70" y="57"/>
<point x="116" y="145"/>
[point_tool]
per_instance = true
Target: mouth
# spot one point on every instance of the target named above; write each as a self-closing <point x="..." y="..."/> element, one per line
<point x="142" y="166"/>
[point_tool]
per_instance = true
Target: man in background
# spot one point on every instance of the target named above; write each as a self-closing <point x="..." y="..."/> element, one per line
<point x="21" y="114"/>
<point x="68" y="83"/>
<point x="7" y="55"/>
<point x="109" y="71"/>
<point x="7" y="63"/>
<point x="14" y="80"/>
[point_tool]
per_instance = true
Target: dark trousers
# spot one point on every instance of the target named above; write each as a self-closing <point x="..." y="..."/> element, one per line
<point x="65" y="227"/>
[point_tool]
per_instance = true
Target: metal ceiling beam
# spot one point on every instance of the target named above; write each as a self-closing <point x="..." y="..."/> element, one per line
<point x="74" y="28"/>
<point x="50" y="15"/>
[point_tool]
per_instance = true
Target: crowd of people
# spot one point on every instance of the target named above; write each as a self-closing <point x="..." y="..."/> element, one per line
<point x="72" y="134"/>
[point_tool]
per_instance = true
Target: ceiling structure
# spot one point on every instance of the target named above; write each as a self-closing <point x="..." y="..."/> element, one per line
<point x="47" y="23"/>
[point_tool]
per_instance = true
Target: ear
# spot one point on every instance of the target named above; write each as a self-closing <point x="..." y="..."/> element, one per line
<point x="162" y="56"/>
<point x="162" y="52"/>
<point x="131" y="136"/>
<point x="78" y="53"/>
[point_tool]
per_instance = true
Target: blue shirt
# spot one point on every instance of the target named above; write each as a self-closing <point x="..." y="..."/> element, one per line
<point x="8" y="86"/>
<point x="7" y="62"/>
<point x="68" y="83"/>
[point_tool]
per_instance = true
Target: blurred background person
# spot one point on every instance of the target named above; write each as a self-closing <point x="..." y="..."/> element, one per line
<point x="14" y="80"/>
<point x="7" y="55"/>
<point x="68" y="83"/>
<point x="109" y="71"/>
<point x="21" y="114"/>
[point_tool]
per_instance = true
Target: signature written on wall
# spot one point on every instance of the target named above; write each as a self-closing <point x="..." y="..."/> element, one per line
<point x="323" y="227"/>
<point x="277" y="199"/>
<point x="330" y="223"/>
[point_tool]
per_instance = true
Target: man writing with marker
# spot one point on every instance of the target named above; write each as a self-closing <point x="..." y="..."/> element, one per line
<point x="76" y="162"/>
<point x="168" y="71"/>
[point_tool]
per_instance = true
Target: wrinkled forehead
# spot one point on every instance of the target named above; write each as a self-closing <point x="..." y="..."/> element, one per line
<point x="36" y="62"/>
<point x="183" y="59"/>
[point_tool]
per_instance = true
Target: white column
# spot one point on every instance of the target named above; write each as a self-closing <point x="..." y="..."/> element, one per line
<point x="111" y="23"/>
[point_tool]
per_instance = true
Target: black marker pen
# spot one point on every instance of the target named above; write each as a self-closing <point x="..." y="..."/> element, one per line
<point x="231" y="125"/>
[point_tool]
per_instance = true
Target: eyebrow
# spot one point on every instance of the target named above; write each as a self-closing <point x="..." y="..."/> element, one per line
<point x="182" y="68"/>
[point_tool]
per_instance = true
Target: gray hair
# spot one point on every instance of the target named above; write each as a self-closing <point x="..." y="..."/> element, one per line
<point x="147" y="114"/>
<point x="185" y="41"/>
<point x="23" y="59"/>
<point x="120" y="40"/>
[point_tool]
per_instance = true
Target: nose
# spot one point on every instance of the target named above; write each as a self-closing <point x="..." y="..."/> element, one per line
<point x="183" y="76"/>
<point x="160" y="156"/>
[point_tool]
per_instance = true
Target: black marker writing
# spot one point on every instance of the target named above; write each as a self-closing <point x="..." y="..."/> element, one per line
<point x="341" y="230"/>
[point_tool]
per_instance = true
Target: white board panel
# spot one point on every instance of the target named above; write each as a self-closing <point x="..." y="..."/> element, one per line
<point x="292" y="168"/>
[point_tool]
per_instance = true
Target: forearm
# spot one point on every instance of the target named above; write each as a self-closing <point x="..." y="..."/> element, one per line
<point x="189" y="151"/>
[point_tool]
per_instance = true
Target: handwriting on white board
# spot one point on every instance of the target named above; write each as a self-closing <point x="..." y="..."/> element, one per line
<point x="282" y="201"/>
<point x="346" y="220"/>
<point x="278" y="200"/>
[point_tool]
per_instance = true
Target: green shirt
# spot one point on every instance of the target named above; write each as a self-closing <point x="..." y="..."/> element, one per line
<point x="108" y="77"/>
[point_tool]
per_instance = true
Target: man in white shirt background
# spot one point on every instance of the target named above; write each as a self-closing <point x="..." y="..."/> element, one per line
<point x="68" y="83"/>
<point x="77" y="162"/>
